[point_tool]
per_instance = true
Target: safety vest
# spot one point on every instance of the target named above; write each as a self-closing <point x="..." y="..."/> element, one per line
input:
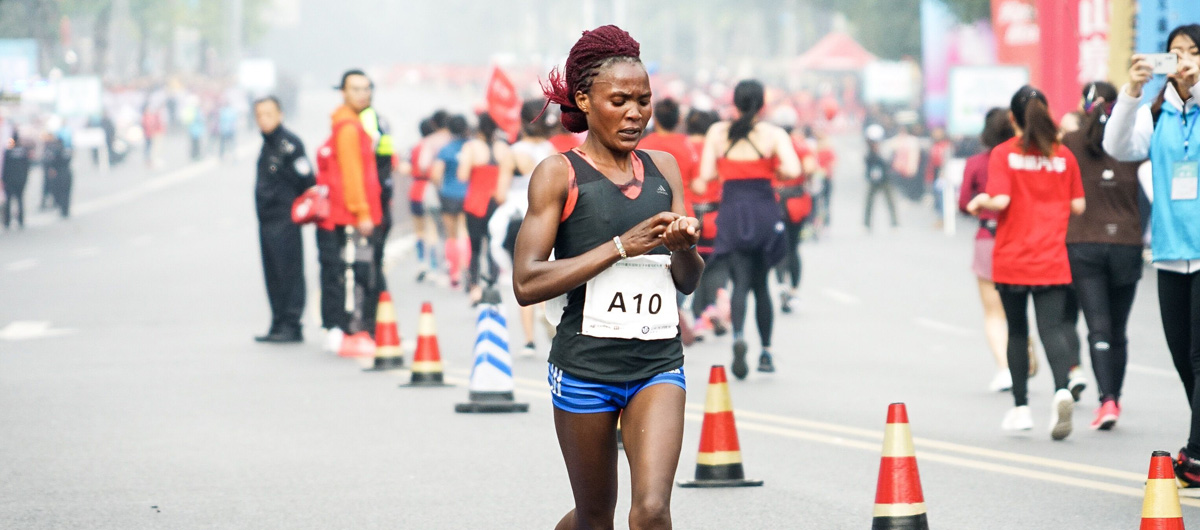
<point x="378" y="130"/>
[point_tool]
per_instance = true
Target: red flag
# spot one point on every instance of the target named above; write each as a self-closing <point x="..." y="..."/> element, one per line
<point x="1059" y="23"/>
<point x="503" y="103"/>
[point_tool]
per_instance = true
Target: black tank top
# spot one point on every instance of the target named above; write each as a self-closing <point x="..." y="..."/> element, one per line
<point x="602" y="212"/>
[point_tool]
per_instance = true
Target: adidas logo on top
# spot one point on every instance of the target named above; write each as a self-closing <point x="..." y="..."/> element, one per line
<point x="662" y="190"/>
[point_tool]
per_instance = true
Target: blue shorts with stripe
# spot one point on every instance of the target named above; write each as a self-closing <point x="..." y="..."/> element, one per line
<point x="583" y="397"/>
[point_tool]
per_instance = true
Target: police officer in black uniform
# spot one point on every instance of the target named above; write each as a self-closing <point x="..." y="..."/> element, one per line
<point x="284" y="172"/>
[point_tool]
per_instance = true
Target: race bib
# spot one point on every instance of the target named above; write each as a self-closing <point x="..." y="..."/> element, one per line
<point x="1184" y="181"/>
<point x="633" y="299"/>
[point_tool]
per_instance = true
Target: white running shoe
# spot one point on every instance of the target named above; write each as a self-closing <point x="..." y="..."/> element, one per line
<point x="529" y="350"/>
<point x="1060" y="414"/>
<point x="333" y="340"/>
<point x="1002" y="382"/>
<point x="1017" y="419"/>
<point x="1076" y="381"/>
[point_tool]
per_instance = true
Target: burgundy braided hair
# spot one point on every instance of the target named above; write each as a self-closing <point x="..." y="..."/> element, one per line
<point x="593" y="51"/>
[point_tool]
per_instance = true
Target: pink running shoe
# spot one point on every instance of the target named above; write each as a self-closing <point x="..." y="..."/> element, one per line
<point x="1106" y="415"/>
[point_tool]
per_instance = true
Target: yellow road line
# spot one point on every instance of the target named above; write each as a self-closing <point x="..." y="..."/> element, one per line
<point x="834" y="434"/>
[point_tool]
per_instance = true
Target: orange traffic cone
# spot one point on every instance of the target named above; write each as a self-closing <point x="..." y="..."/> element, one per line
<point x="1160" y="508"/>
<point x="427" y="361"/>
<point x="388" y="355"/>
<point x="719" y="464"/>
<point x="899" y="502"/>
<point x="357" y="345"/>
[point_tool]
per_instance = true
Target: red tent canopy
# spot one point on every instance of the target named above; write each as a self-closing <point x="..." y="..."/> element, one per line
<point x="835" y="52"/>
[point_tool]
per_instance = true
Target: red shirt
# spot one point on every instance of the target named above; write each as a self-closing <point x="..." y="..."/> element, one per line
<point x="678" y="146"/>
<point x="975" y="182"/>
<point x="564" y="142"/>
<point x="1031" y="239"/>
<point x="713" y="192"/>
<point x="803" y="151"/>
<point x="826" y="158"/>
<point x="416" y="191"/>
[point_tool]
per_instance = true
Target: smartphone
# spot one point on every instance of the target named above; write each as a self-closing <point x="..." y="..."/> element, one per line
<point x="1163" y="63"/>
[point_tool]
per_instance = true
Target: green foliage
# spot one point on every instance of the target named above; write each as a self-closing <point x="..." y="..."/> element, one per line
<point x="971" y="10"/>
<point x="25" y="19"/>
<point x="895" y="31"/>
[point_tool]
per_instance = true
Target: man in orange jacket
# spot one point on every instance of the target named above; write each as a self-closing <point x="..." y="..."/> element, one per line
<point x="355" y="203"/>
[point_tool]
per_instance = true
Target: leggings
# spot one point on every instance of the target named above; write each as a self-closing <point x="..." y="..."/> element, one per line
<point x="791" y="262"/>
<point x="477" y="230"/>
<point x="1048" y="304"/>
<point x="715" y="276"/>
<point x="749" y="273"/>
<point x="1179" y="303"/>
<point x="1106" y="309"/>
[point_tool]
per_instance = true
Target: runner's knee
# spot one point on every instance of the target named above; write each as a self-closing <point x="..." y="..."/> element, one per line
<point x="650" y="512"/>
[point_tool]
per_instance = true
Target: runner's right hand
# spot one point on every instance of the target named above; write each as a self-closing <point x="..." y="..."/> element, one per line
<point x="1140" y="72"/>
<point x="647" y="234"/>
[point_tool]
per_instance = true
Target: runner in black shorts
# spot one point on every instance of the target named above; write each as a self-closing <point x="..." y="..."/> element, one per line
<point x="614" y="219"/>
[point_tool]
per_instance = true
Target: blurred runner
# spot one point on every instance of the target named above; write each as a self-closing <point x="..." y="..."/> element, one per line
<point x="452" y="189"/>
<point x="796" y="206"/>
<point x="708" y="313"/>
<point x="284" y="172"/>
<point x="227" y="121"/>
<point x="1105" y="248"/>
<point x="997" y="129"/>
<point x="616" y="352"/>
<point x="748" y="154"/>
<point x="528" y="152"/>
<point x="827" y="162"/>
<point x="1033" y="180"/>
<point x="878" y="180"/>
<point x="426" y="245"/>
<point x="486" y="164"/>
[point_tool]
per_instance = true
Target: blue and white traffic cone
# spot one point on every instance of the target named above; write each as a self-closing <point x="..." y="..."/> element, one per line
<point x="491" y="387"/>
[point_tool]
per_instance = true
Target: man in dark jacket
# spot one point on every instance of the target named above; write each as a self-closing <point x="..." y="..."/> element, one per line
<point x="284" y="172"/>
<point x="15" y="175"/>
<point x="56" y="163"/>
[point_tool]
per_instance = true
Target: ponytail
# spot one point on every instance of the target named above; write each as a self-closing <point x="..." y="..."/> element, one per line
<point x="1041" y="134"/>
<point x="1032" y="114"/>
<point x="748" y="98"/>
<point x="1093" y="130"/>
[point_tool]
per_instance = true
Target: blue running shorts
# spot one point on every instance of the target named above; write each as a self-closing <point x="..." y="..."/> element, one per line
<point x="585" y="397"/>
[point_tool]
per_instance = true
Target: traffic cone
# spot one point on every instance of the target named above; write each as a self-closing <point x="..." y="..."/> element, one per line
<point x="719" y="464"/>
<point x="388" y="355"/>
<point x="1160" y="508"/>
<point x="899" y="502"/>
<point x="427" y="361"/>
<point x="491" y="387"/>
<point x="357" y="345"/>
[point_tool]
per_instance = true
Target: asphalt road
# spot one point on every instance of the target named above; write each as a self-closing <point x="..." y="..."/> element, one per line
<point x="132" y="395"/>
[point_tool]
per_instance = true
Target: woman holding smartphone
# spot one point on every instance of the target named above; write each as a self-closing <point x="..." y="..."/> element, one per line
<point x="1165" y="131"/>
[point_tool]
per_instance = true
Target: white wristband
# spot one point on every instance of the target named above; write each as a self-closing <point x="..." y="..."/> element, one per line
<point x="620" y="247"/>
